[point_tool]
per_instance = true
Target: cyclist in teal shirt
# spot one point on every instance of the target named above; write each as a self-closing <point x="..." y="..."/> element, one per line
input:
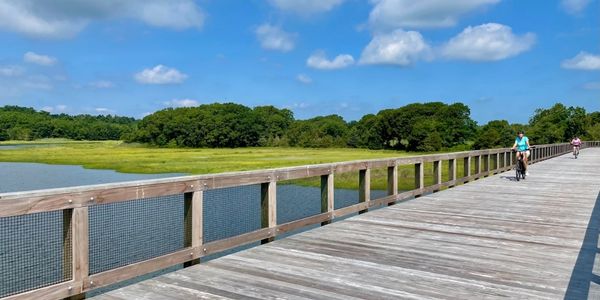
<point x="522" y="146"/>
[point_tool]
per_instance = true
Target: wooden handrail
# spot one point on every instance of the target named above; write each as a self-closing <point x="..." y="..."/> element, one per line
<point x="74" y="203"/>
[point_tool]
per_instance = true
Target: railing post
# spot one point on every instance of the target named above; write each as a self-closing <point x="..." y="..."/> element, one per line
<point x="477" y="165"/>
<point x="76" y="247"/>
<point x="327" y="193"/>
<point x="467" y="168"/>
<point x="486" y="163"/>
<point x="419" y="176"/>
<point x="498" y="163"/>
<point x="452" y="170"/>
<point x="193" y="227"/>
<point x="364" y="186"/>
<point x="392" y="182"/>
<point x="437" y="173"/>
<point x="268" y="200"/>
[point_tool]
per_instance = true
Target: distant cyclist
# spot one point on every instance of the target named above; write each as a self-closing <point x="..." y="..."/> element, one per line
<point x="522" y="147"/>
<point x="576" y="142"/>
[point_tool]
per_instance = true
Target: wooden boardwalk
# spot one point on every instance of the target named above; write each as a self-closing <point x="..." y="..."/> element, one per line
<point x="490" y="239"/>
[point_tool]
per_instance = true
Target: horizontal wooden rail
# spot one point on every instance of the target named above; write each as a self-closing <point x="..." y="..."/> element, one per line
<point x="74" y="203"/>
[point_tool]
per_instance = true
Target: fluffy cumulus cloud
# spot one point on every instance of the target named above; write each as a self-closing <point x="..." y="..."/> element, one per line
<point x="487" y="42"/>
<point x="319" y="61"/>
<point x="303" y="78"/>
<point x="66" y="18"/>
<point x="583" y="61"/>
<point x="392" y="14"/>
<point x="160" y="75"/>
<point x="306" y="7"/>
<point x="274" y="38"/>
<point x="400" y="48"/>
<point x="39" y="59"/>
<point x="182" y="103"/>
<point x="575" y="6"/>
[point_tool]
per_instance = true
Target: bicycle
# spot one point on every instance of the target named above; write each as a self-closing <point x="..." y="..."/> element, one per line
<point x="576" y="150"/>
<point x="520" y="170"/>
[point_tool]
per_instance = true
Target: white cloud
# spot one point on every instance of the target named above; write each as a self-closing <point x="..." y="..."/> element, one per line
<point x="319" y="61"/>
<point x="182" y="103"/>
<point x="583" y="61"/>
<point x="392" y="14"/>
<point x="274" y="38"/>
<point x="574" y="6"/>
<point x="66" y="18"/>
<point x="306" y="7"/>
<point x="401" y="48"/>
<point x="102" y="84"/>
<point x="160" y="75"/>
<point x="487" y="42"/>
<point x="39" y="59"/>
<point x="104" y="110"/>
<point x="592" y="86"/>
<point x="304" y="78"/>
<point x="55" y="109"/>
<point x="11" y="71"/>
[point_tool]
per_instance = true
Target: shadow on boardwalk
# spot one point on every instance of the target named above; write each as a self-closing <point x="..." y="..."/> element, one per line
<point x="582" y="278"/>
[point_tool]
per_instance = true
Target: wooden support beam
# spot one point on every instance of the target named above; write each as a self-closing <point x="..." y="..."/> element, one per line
<point x="452" y="170"/>
<point x="419" y="176"/>
<point x="437" y="173"/>
<point x="268" y="201"/>
<point x="193" y="224"/>
<point x="76" y="247"/>
<point x="327" y="195"/>
<point x="392" y="182"/>
<point x="364" y="187"/>
<point x="467" y="167"/>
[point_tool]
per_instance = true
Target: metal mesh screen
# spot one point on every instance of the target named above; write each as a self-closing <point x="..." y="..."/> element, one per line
<point x="231" y="211"/>
<point x="378" y="183"/>
<point x="32" y="252"/>
<point x="128" y="232"/>
<point x="346" y="189"/>
<point x="298" y="199"/>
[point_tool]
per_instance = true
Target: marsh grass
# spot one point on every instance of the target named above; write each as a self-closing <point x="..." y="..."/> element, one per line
<point x="137" y="158"/>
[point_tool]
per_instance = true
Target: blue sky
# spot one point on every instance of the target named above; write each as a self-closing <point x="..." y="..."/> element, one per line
<point x="503" y="58"/>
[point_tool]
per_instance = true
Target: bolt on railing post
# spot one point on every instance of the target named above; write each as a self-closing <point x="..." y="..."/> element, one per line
<point x="268" y="201"/>
<point x="364" y="187"/>
<point x="327" y="193"/>
<point x="392" y="182"/>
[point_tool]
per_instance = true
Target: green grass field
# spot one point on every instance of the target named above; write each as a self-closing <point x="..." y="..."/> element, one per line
<point x="135" y="158"/>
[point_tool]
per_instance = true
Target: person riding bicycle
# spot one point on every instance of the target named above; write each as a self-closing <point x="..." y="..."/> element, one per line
<point x="576" y="142"/>
<point x="522" y="147"/>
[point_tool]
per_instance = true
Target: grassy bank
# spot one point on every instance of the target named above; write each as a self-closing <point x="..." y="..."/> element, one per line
<point x="134" y="158"/>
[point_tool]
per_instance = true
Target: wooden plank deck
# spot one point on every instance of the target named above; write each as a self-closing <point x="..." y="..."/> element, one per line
<point x="492" y="238"/>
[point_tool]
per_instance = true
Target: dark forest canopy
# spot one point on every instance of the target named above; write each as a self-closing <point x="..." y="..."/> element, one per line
<point x="415" y="127"/>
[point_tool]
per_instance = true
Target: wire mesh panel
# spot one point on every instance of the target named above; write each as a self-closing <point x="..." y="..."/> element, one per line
<point x="32" y="253"/>
<point x="379" y="177"/>
<point x="298" y="199"/>
<point x="346" y="189"/>
<point x="231" y="211"/>
<point x="128" y="232"/>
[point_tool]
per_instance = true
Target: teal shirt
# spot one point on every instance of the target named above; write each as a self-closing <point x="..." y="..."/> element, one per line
<point x="522" y="143"/>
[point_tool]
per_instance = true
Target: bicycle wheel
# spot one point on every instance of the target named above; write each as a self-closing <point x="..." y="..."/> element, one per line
<point x="518" y="170"/>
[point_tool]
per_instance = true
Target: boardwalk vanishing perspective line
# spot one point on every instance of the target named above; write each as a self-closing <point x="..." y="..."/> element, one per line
<point x="492" y="238"/>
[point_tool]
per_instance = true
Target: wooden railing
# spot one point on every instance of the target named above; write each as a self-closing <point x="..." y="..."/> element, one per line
<point x="74" y="203"/>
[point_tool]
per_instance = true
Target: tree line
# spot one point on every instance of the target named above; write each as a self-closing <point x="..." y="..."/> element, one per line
<point x="429" y="126"/>
<point x="22" y="123"/>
